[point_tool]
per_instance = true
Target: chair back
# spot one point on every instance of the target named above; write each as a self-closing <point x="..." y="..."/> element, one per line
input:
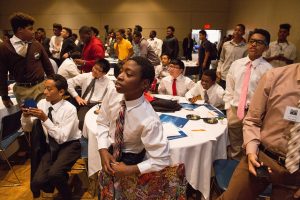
<point x="169" y="183"/>
<point x="10" y="124"/>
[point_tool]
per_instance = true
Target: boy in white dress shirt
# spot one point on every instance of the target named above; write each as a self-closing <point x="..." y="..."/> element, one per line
<point x="54" y="139"/>
<point x="94" y="87"/>
<point x="209" y="86"/>
<point x="143" y="147"/>
<point x="161" y="70"/>
<point x="175" y="84"/>
<point x="241" y="82"/>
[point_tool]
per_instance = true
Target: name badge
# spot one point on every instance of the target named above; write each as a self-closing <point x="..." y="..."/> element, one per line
<point x="292" y="114"/>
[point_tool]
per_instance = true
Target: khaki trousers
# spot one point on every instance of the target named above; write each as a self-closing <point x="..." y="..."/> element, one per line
<point x="35" y="92"/>
<point x="235" y="134"/>
<point x="245" y="186"/>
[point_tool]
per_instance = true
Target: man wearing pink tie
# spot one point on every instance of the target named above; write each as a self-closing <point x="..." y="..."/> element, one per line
<point x="242" y="80"/>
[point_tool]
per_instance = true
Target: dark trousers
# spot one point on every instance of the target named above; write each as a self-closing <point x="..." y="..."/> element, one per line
<point x="46" y="173"/>
<point x="244" y="185"/>
<point x="82" y="110"/>
<point x="222" y="83"/>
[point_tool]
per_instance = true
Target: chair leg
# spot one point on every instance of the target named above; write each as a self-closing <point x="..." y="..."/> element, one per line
<point x="10" y="166"/>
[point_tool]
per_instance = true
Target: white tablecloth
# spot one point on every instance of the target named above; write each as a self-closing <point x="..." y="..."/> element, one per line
<point x="197" y="151"/>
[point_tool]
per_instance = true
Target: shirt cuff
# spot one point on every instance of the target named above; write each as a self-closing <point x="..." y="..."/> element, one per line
<point x="103" y="143"/>
<point x="227" y="106"/>
<point x="144" y="166"/>
<point x="252" y="147"/>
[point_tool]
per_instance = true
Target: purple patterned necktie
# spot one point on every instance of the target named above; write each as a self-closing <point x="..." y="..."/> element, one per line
<point x="117" y="146"/>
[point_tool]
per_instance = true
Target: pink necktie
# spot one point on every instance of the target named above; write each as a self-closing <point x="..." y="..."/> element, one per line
<point x="243" y="97"/>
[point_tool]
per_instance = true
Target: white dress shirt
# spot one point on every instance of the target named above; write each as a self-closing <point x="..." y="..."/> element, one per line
<point x="83" y="80"/>
<point x="288" y="49"/>
<point x="235" y="78"/>
<point x="56" y="47"/>
<point x="18" y="43"/>
<point x="156" y="44"/>
<point x="142" y="129"/>
<point x="64" y="126"/>
<point x="183" y="84"/>
<point x="161" y="72"/>
<point x="230" y="52"/>
<point x="215" y="93"/>
<point x="68" y="69"/>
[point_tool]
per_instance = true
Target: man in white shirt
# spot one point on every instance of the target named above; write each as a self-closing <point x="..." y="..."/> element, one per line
<point x="231" y="51"/>
<point x="209" y="86"/>
<point x="55" y="138"/>
<point x="241" y="82"/>
<point x="68" y="68"/>
<point x="94" y="87"/>
<point x="56" y="42"/>
<point x="143" y="147"/>
<point x="155" y="43"/>
<point x="161" y="70"/>
<point x="281" y="52"/>
<point x="175" y="84"/>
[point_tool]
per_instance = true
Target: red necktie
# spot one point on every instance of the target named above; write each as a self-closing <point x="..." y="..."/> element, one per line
<point x="244" y="92"/>
<point x="117" y="146"/>
<point x="174" y="89"/>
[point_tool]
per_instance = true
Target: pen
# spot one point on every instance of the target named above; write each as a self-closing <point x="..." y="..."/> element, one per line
<point x="198" y="130"/>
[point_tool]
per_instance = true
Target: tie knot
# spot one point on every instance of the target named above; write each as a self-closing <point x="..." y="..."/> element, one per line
<point x="123" y="103"/>
<point x="50" y="109"/>
<point x="249" y="65"/>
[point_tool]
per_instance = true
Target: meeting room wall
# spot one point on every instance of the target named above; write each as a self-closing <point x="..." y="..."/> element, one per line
<point x="267" y="14"/>
<point x="150" y="14"/>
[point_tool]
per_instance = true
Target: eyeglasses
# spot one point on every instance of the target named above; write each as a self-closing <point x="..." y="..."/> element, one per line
<point x="257" y="42"/>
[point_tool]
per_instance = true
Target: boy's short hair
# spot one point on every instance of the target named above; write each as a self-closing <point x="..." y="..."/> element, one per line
<point x="203" y="32"/>
<point x="68" y="30"/>
<point x="95" y="30"/>
<point x="285" y="26"/>
<point x="57" y="25"/>
<point x="263" y="32"/>
<point x="74" y="35"/>
<point x="165" y="54"/>
<point x="178" y="62"/>
<point x="154" y="33"/>
<point x="41" y="29"/>
<point x="20" y="20"/>
<point x="85" y="29"/>
<point x="148" y="71"/>
<point x="60" y="81"/>
<point x="211" y="73"/>
<point x="104" y="64"/>
<point x="75" y="55"/>
<point x="172" y="28"/>
<point x="138" y="28"/>
<point x="242" y="26"/>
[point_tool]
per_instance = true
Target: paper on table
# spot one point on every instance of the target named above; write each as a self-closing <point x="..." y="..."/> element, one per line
<point x="204" y="112"/>
<point x="170" y="130"/>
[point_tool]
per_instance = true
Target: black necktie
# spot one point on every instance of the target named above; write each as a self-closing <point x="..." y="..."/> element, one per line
<point x="54" y="146"/>
<point x="90" y="87"/>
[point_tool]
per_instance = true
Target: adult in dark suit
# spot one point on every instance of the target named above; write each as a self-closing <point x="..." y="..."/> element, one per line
<point x="187" y="46"/>
<point x="41" y="37"/>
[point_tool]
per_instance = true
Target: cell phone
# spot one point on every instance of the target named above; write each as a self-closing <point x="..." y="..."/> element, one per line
<point x="30" y="103"/>
<point x="262" y="172"/>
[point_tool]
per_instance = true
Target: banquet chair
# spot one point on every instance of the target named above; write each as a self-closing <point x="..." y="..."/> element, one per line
<point x="169" y="183"/>
<point x="223" y="171"/>
<point x="10" y="131"/>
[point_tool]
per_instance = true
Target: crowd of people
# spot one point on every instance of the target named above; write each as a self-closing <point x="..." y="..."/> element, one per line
<point x="252" y="84"/>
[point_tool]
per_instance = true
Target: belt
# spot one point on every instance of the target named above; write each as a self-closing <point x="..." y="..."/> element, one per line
<point x="29" y="84"/>
<point x="275" y="156"/>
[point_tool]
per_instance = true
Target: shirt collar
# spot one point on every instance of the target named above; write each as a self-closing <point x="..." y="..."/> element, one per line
<point x="277" y="42"/>
<point x="56" y="106"/>
<point x="255" y="62"/>
<point x="134" y="103"/>
<point x="178" y="77"/>
<point x="242" y="43"/>
<point x="15" y="40"/>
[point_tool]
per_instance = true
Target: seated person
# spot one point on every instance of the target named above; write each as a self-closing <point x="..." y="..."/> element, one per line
<point x="57" y="136"/>
<point x="94" y="87"/>
<point x="68" y="68"/>
<point x="161" y="70"/>
<point x="207" y="89"/>
<point x="130" y="135"/>
<point x="175" y="84"/>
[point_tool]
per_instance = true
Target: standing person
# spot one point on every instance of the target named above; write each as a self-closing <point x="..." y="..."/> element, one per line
<point x="130" y="142"/>
<point x="56" y="43"/>
<point x="56" y="133"/>
<point x="68" y="45"/>
<point x="123" y="47"/>
<point x="93" y="49"/>
<point x="231" y="51"/>
<point x="25" y="59"/>
<point x="270" y="132"/>
<point x="155" y="43"/>
<point x="144" y="49"/>
<point x="187" y="46"/>
<point x="129" y="35"/>
<point x="170" y="44"/>
<point x="281" y="52"/>
<point x="241" y="82"/>
<point x="94" y="87"/>
<point x="205" y="52"/>
<point x="41" y="34"/>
